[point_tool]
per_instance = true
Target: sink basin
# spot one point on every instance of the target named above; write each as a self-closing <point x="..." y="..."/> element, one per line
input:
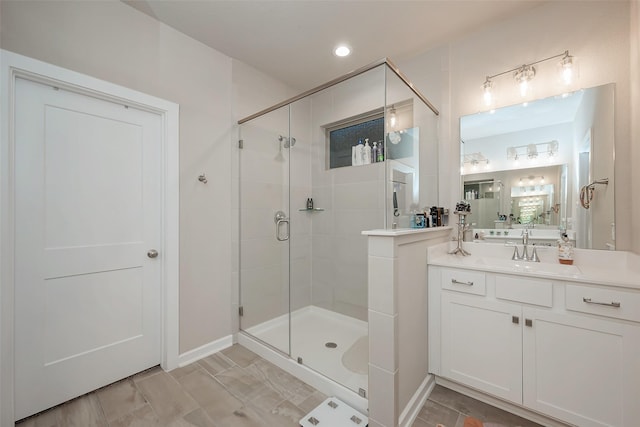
<point x="530" y="267"/>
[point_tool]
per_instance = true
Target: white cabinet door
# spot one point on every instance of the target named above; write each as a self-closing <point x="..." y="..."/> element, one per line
<point x="88" y="209"/>
<point x="584" y="370"/>
<point x="482" y="344"/>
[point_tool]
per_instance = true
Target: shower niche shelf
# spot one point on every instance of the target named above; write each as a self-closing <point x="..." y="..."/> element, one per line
<point x="311" y="210"/>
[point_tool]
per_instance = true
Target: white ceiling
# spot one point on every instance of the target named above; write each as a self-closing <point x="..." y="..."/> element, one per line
<point x="293" y="40"/>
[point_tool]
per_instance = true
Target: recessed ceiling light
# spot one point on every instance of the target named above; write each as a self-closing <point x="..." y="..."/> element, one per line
<point x="342" y="50"/>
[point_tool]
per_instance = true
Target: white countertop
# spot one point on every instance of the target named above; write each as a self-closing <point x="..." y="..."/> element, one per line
<point x="404" y="231"/>
<point x="612" y="268"/>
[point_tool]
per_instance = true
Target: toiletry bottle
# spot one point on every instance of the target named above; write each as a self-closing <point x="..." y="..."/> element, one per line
<point x="366" y="154"/>
<point x="354" y="160"/>
<point x="380" y="157"/>
<point x="359" y="153"/>
<point x="374" y="152"/>
<point x="565" y="250"/>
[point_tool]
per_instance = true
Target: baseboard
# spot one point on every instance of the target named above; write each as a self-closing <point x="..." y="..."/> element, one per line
<point x="417" y="401"/>
<point x="205" y="350"/>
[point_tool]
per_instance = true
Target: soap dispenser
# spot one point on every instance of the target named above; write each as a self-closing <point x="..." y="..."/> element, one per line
<point x="366" y="153"/>
<point x="374" y="152"/>
<point x="565" y="250"/>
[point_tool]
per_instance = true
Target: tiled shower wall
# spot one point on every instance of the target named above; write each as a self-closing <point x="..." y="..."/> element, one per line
<point x="352" y="196"/>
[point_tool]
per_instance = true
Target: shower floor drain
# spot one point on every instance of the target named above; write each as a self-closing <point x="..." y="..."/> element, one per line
<point x="331" y="345"/>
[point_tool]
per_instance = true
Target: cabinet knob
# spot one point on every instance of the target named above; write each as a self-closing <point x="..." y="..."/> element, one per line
<point x="528" y="322"/>
<point x="515" y="319"/>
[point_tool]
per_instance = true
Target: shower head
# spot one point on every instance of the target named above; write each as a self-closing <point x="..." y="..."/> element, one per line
<point x="288" y="142"/>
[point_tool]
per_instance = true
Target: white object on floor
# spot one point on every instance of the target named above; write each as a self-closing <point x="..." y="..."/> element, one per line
<point x="335" y="413"/>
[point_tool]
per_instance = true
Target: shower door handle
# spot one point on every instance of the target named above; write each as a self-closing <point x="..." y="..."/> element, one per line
<point x="286" y="236"/>
<point x="281" y="218"/>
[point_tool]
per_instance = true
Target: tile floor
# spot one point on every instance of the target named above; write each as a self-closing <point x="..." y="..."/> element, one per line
<point x="232" y="388"/>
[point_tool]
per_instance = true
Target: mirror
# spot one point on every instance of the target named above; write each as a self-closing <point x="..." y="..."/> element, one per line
<point x="546" y="165"/>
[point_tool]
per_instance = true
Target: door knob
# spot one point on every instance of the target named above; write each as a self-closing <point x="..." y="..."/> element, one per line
<point x="152" y="253"/>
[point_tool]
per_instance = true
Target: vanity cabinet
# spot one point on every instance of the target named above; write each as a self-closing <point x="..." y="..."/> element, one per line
<point x="482" y="344"/>
<point x="545" y="345"/>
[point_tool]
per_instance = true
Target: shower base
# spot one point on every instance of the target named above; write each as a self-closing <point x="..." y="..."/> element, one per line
<point x="322" y="366"/>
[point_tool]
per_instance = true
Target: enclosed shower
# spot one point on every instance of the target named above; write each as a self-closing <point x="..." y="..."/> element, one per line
<point x="304" y="201"/>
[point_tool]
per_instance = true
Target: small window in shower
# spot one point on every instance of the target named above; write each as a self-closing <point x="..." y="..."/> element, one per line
<point x="346" y="134"/>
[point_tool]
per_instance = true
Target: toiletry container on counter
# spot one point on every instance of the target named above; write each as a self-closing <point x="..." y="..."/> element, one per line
<point x="565" y="250"/>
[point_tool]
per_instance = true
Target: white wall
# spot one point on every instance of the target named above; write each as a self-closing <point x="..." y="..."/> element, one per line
<point x="596" y="32"/>
<point x="114" y="42"/>
<point x="635" y="124"/>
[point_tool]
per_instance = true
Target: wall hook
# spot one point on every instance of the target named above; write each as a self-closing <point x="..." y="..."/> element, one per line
<point x="202" y="178"/>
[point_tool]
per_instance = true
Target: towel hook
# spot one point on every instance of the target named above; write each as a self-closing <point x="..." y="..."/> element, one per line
<point x="202" y="178"/>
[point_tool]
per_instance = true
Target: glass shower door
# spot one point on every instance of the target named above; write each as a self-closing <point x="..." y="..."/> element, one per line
<point x="265" y="228"/>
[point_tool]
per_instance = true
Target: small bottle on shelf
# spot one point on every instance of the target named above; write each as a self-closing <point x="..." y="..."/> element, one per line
<point x="359" y="154"/>
<point x="380" y="157"/>
<point x="366" y="152"/>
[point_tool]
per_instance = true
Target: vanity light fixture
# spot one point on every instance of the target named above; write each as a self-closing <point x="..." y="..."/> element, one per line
<point x="525" y="73"/>
<point x="532" y="181"/>
<point x="533" y="151"/>
<point x="474" y="160"/>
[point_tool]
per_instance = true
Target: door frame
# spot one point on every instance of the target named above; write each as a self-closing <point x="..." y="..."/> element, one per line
<point x="13" y="66"/>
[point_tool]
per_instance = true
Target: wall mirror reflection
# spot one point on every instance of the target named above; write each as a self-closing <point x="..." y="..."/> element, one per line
<point x="545" y="165"/>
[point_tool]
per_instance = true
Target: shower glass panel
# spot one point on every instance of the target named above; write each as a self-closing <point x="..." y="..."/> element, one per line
<point x="265" y="228"/>
<point x="329" y="330"/>
<point x="411" y="145"/>
<point x="304" y="273"/>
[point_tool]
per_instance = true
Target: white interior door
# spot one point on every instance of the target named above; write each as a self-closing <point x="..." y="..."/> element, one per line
<point x="87" y="211"/>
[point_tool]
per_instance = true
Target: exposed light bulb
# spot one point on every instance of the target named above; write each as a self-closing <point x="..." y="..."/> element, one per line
<point x="542" y="180"/>
<point x="524" y="88"/>
<point x="567" y="75"/>
<point x="520" y="182"/>
<point x="487" y="94"/>
<point x="393" y="118"/>
<point x="567" y="69"/>
<point x="523" y="76"/>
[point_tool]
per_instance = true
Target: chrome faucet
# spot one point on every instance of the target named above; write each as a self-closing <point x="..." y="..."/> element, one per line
<point x="525" y="253"/>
